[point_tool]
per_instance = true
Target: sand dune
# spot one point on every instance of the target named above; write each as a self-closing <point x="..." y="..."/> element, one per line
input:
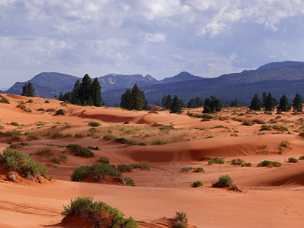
<point x="271" y="197"/>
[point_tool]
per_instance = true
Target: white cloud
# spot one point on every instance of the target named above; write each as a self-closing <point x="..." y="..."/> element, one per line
<point x="155" y="37"/>
<point x="159" y="37"/>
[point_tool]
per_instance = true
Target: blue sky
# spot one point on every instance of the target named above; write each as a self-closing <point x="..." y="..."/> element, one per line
<point x="159" y="37"/>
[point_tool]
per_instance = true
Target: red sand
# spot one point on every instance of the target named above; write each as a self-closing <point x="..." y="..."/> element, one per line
<point x="271" y="197"/>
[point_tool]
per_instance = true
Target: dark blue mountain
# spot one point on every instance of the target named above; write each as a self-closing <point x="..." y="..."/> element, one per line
<point x="278" y="78"/>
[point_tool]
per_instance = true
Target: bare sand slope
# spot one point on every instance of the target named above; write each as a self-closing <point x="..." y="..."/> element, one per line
<point x="32" y="206"/>
<point x="223" y="146"/>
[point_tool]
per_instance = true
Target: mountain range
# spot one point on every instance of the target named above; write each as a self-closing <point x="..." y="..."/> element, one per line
<point x="278" y="78"/>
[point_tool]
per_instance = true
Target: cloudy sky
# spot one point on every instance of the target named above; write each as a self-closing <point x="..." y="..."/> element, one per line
<point x="157" y="37"/>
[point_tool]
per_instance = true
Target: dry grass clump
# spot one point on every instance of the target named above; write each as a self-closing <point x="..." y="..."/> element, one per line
<point x="23" y="107"/>
<point x="193" y="170"/>
<point x="48" y="154"/>
<point x="180" y="220"/>
<point x="124" y="168"/>
<point x="4" y="100"/>
<point x="240" y="162"/>
<point x="223" y="182"/>
<point x="101" y="172"/>
<point x="269" y="164"/>
<point x="292" y="160"/>
<point x="94" y="124"/>
<point x="265" y="127"/>
<point x="216" y="161"/>
<point x="197" y="184"/>
<point x="80" y="151"/>
<point x="60" y="112"/>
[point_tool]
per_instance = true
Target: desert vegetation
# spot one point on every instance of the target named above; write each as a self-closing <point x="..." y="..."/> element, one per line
<point x="89" y="213"/>
<point x="22" y="163"/>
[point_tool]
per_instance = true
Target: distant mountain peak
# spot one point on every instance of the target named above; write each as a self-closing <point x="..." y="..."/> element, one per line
<point x="150" y="78"/>
<point x="182" y="76"/>
<point x="284" y="64"/>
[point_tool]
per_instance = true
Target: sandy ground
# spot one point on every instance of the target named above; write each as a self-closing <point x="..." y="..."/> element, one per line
<point x="271" y="197"/>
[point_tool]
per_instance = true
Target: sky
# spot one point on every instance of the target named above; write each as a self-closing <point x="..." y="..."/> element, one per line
<point x="156" y="37"/>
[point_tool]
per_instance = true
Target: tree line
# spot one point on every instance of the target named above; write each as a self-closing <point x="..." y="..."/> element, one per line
<point x="173" y="103"/>
<point x="86" y="92"/>
<point x="268" y="103"/>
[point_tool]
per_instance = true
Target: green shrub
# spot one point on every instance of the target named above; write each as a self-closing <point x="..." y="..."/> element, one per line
<point x="246" y="164"/>
<point x="22" y="163"/>
<point x="141" y="166"/>
<point x="80" y="151"/>
<point x="223" y="182"/>
<point x="267" y="163"/>
<point x="94" y="124"/>
<point x="60" y="112"/>
<point x="216" y="161"/>
<point x="104" y="160"/>
<point x="97" y="213"/>
<point x="180" y="220"/>
<point x="240" y="162"/>
<point x="237" y="162"/>
<point x="97" y="172"/>
<point x="292" y="160"/>
<point x="123" y="168"/>
<point x="197" y="184"/>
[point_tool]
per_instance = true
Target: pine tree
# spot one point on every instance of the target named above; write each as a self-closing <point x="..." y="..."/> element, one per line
<point x="255" y="104"/>
<point x="133" y="99"/>
<point x="270" y="103"/>
<point x="284" y="105"/>
<point x="85" y="91"/>
<point x="28" y="90"/>
<point x="212" y="105"/>
<point x="264" y="99"/>
<point x="195" y="102"/>
<point x="234" y="103"/>
<point x="75" y="98"/>
<point x="96" y="93"/>
<point x="297" y="103"/>
<point x="176" y="106"/>
<point x="126" y="100"/>
<point x="138" y="97"/>
<point x="166" y="101"/>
